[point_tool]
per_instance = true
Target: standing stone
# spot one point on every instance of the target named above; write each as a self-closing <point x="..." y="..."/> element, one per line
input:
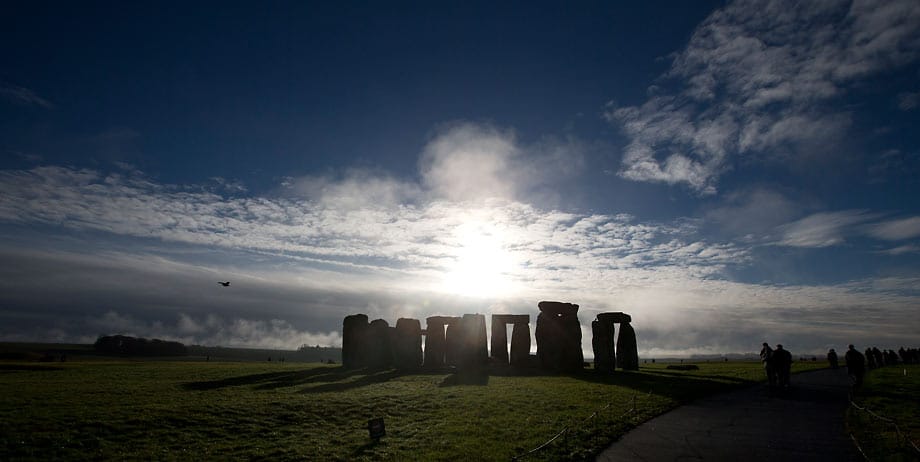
<point x="616" y="317"/>
<point x="559" y="336"/>
<point x="453" y="343"/>
<point x="520" y="344"/>
<point x="474" y="348"/>
<point x="435" y="342"/>
<point x="573" y="358"/>
<point x="407" y="344"/>
<point x="602" y="342"/>
<point x="499" y="339"/>
<point x="380" y="353"/>
<point x="354" y="341"/>
<point x="627" y="350"/>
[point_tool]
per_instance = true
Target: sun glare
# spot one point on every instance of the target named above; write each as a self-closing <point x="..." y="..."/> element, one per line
<point x="481" y="267"/>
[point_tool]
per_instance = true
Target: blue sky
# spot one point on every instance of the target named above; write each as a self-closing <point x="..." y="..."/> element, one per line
<point x="725" y="172"/>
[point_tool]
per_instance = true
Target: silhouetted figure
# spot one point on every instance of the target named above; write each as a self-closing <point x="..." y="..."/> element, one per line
<point x="856" y="365"/>
<point x="880" y="358"/>
<point x="782" y="363"/>
<point x="891" y="358"/>
<point x="870" y="359"/>
<point x="832" y="358"/>
<point x="225" y="284"/>
<point x="766" y="357"/>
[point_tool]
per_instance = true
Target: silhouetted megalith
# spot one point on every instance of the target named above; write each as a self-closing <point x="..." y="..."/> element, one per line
<point x="499" y="350"/>
<point x="559" y="336"/>
<point x="354" y="341"/>
<point x="436" y="341"/>
<point x="473" y="343"/>
<point x="500" y="334"/>
<point x="407" y="344"/>
<point x="602" y="341"/>
<point x="380" y="351"/>
<point x="616" y="317"/>
<point x="627" y="351"/>
<point x="606" y="357"/>
<point x="520" y="344"/>
<point x="454" y="341"/>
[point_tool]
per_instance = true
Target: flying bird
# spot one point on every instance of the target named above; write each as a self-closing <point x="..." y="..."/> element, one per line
<point x="225" y="284"/>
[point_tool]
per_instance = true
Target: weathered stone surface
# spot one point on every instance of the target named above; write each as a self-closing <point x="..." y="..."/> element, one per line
<point x="454" y="343"/>
<point x="511" y="318"/>
<point x="407" y="344"/>
<point x="354" y="341"/>
<point x="436" y="341"/>
<point x="558" y="308"/>
<point x="474" y="349"/>
<point x="614" y="317"/>
<point x="499" y="340"/>
<point x="627" y="350"/>
<point x="380" y="349"/>
<point x="500" y="336"/>
<point x="602" y="342"/>
<point x="559" y="336"/>
<point x="520" y="344"/>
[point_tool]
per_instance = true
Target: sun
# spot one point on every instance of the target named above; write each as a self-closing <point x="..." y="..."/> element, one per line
<point x="482" y="265"/>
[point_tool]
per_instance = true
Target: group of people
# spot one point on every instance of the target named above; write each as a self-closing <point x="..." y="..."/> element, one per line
<point x="857" y="363"/>
<point x="778" y="362"/>
<point x="778" y="365"/>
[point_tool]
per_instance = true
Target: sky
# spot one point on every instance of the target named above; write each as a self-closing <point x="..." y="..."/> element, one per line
<point x="727" y="173"/>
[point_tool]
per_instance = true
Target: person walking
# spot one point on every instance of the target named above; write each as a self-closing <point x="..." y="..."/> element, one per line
<point x="766" y="357"/>
<point x="832" y="358"/>
<point x="782" y="363"/>
<point x="856" y="365"/>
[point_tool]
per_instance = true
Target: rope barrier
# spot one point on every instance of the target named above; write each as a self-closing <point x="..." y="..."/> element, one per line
<point x="892" y="422"/>
<point x="566" y="429"/>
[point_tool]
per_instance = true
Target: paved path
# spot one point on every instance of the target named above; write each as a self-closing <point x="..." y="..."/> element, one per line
<point x="803" y="423"/>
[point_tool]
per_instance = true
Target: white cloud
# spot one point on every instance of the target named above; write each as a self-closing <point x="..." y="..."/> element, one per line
<point x="896" y="230"/>
<point x="908" y="101"/>
<point x="822" y="229"/>
<point x="901" y="250"/>
<point x="23" y="96"/>
<point x="475" y="162"/>
<point x="825" y="229"/>
<point x="755" y="78"/>
<point x="753" y="214"/>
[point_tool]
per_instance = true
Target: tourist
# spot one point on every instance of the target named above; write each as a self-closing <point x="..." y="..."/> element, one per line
<point x="832" y="358"/>
<point x="766" y="357"/>
<point x="782" y="364"/>
<point x="856" y="365"/>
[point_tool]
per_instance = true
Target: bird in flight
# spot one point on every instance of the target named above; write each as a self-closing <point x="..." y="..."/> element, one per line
<point x="225" y="284"/>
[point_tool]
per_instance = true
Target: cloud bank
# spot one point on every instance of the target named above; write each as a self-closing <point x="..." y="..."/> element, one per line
<point x="762" y="80"/>
<point x="87" y="252"/>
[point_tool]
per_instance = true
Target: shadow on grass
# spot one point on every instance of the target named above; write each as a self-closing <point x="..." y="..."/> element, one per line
<point x="271" y="380"/>
<point x="680" y="386"/>
<point x="328" y="379"/>
<point x="27" y="367"/>
<point x="368" y="448"/>
<point x="370" y="378"/>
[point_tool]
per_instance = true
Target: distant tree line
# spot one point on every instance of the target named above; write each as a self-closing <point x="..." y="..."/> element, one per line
<point x="131" y="346"/>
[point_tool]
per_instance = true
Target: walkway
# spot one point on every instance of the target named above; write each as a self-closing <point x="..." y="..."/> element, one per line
<point x="804" y="423"/>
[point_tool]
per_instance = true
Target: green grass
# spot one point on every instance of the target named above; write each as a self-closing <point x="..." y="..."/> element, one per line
<point x="194" y="411"/>
<point x="890" y="393"/>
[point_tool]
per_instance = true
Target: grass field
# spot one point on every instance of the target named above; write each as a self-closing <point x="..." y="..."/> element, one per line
<point x="223" y="410"/>
<point x="889" y="420"/>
